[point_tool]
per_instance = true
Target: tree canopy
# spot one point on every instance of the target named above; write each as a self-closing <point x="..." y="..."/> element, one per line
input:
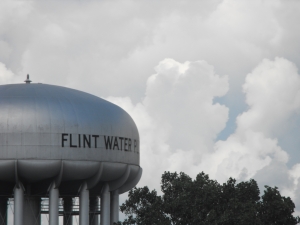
<point x="203" y="201"/>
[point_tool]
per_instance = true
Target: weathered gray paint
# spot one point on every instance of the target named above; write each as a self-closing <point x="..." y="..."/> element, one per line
<point x="53" y="205"/>
<point x="33" y="118"/>
<point x="18" y="205"/>
<point x="84" y="205"/>
<point x="114" y="207"/>
<point x="105" y="205"/>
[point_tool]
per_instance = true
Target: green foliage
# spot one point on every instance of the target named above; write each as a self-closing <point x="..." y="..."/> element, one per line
<point x="275" y="209"/>
<point x="145" y="204"/>
<point x="206" y="202"/>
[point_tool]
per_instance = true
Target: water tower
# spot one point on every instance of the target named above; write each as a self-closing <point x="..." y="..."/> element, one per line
<point x="58" y="143"/>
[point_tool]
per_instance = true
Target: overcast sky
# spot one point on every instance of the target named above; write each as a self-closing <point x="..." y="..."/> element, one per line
<point x="213" y="85"/>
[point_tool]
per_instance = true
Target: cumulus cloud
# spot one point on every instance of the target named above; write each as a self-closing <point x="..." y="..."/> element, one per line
<point x="272" y="92"/>
<point x="177" y="119"/>
<point x="273" y="95"/>
<point x="183" y="95"/>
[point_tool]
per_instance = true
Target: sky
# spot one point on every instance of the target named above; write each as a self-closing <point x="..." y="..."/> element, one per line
<point x="213" y="85"/>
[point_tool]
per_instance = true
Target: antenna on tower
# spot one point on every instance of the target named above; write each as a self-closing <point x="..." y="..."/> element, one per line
<point x="27" y="81"/>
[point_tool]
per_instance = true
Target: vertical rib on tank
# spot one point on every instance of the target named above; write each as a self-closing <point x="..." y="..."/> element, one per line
<point x="54" y="137"/>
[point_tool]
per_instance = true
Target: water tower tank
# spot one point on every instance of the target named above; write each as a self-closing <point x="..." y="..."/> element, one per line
<point x="60" y="143"/>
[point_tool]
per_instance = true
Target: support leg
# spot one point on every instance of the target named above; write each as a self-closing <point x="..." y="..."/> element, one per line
<point x="18" y="205"/>
<point x="53" y="205"/>
<point x="68" y="205"/>
<point x="84" y="205"/>
<point x="114" y="207"/>
<point x="105" y="205"/>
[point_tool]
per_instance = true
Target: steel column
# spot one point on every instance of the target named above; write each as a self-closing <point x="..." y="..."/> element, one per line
<point x="105" y="205"/>
<point x="68" y="207"/>
<point x="3" y="210"/>
<point x="84" y="205"/>
<point x="94" y="202"/>
<point x="114" y="207"/>
<point x="18" y="205"/>
<point x="53" y="205"/>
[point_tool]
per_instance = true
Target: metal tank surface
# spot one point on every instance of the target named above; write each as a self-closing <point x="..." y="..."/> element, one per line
<point x="60" y="143"/>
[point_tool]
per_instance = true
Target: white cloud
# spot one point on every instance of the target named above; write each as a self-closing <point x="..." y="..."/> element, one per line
<point x="243" y="154"/>
<point x="6" y="76"/>
<point x="178" y="123"/>
<point x="272" y="92"/>
<point x="177" y="119"/>
<point x="273" y="95"/>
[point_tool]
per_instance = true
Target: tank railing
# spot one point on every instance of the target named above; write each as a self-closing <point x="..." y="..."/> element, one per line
<point x="75" y="208"/>
<point x="45" y="206"/>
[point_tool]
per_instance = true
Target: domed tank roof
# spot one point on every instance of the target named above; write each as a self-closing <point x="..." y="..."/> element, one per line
<point x="56" y="134"/>
<point x="39" y="121"/>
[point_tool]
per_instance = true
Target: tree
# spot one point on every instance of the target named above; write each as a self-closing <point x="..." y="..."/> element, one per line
<point x="275" y="209"/>
<point x="239" y="203"/>
<point x="206" y="202"/>
<point x="147" y="205"/>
